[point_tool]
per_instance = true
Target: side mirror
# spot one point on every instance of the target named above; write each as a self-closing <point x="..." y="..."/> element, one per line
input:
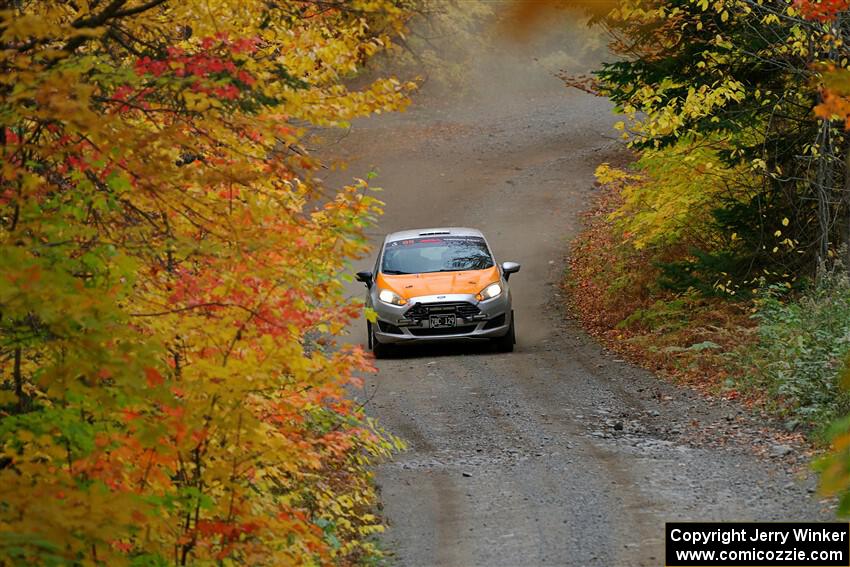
<point x="365" y="277"/>
<point x="509" y="268"/>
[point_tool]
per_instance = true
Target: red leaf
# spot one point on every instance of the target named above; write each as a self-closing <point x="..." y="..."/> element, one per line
<point x="154" y="377"/>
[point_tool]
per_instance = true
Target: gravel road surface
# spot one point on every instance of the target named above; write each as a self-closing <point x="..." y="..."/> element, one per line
<point x="558" y="453"/>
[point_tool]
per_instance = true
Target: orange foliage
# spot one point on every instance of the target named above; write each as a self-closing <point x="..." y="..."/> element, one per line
<point x="171" y="282"/>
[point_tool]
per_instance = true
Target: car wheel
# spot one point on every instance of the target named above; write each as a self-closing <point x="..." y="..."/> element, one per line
<point x="378" y="350"/>
<point x="506" y="342"/>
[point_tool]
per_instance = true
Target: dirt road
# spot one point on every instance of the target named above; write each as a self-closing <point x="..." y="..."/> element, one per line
<point x="556" y="454"/>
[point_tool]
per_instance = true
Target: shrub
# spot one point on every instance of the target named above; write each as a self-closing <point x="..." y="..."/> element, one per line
<point x="801" y="346"/>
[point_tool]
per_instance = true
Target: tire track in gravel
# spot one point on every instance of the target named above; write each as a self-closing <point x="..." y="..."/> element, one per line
<point x="631" y="503"/>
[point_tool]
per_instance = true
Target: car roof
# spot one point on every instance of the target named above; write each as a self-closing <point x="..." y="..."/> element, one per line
<point x="442" y="231"/>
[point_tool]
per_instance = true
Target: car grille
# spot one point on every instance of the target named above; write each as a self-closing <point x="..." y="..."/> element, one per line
<point x="442" y="331"/>
<point x="421" y="311"/>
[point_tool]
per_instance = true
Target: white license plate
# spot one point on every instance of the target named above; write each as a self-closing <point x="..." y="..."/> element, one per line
<point x="443" y="321"/>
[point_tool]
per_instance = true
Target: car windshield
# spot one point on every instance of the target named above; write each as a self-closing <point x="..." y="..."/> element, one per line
<point x="436" y="254"/>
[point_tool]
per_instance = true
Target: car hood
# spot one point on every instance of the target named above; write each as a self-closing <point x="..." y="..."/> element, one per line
<point x="438" y="283"/>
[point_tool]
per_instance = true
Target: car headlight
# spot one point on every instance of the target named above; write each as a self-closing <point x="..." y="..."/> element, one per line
<point x="391" y="297"/>
<point x="489" y="292"/>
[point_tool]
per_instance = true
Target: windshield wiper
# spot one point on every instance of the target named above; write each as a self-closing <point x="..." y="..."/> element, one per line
<point x="395" y="273"/>
<point x="468" y="269"/>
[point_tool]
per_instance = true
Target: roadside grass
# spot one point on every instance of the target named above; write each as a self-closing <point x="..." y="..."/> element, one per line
<point x="611" y="289"/>
<point x="800" y="354"/>
<point x="779" y="352"/>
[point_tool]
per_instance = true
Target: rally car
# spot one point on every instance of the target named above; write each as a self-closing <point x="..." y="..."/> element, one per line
<point x="438" y="284"/>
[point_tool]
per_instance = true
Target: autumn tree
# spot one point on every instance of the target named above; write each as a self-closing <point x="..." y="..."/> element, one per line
<point x="741" y="79"/>
<point x="171" y="286"/>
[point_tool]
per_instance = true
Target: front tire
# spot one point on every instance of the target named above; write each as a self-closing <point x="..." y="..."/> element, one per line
<point x="507" y="342"/>
<point x="378" y="350"/>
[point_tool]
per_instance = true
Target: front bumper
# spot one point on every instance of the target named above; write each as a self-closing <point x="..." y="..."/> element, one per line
<point x="476" y="320"/>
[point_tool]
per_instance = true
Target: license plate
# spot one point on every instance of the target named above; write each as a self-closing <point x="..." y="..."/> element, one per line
<point x="443" y="321"/>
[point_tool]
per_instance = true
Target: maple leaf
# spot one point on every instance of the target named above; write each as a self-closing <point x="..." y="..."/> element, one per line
<point x="151" y="201"/>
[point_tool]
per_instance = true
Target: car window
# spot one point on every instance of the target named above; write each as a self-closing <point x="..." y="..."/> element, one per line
<point x="443" y="254"/>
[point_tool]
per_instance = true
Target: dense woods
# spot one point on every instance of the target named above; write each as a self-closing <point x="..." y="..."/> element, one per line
<point x="171" y="286"/>
<point x="720" y="254"/>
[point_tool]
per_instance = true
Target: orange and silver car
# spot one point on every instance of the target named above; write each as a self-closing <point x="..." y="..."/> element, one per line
<point x="439" y="284"/>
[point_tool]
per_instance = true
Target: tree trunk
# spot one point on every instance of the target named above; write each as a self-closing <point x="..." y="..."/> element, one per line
<point x="823" y="189"/>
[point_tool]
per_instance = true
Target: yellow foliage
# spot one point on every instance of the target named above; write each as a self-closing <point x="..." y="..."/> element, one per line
<point x="171" y="282"/>
<point x="671" y="194"/>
